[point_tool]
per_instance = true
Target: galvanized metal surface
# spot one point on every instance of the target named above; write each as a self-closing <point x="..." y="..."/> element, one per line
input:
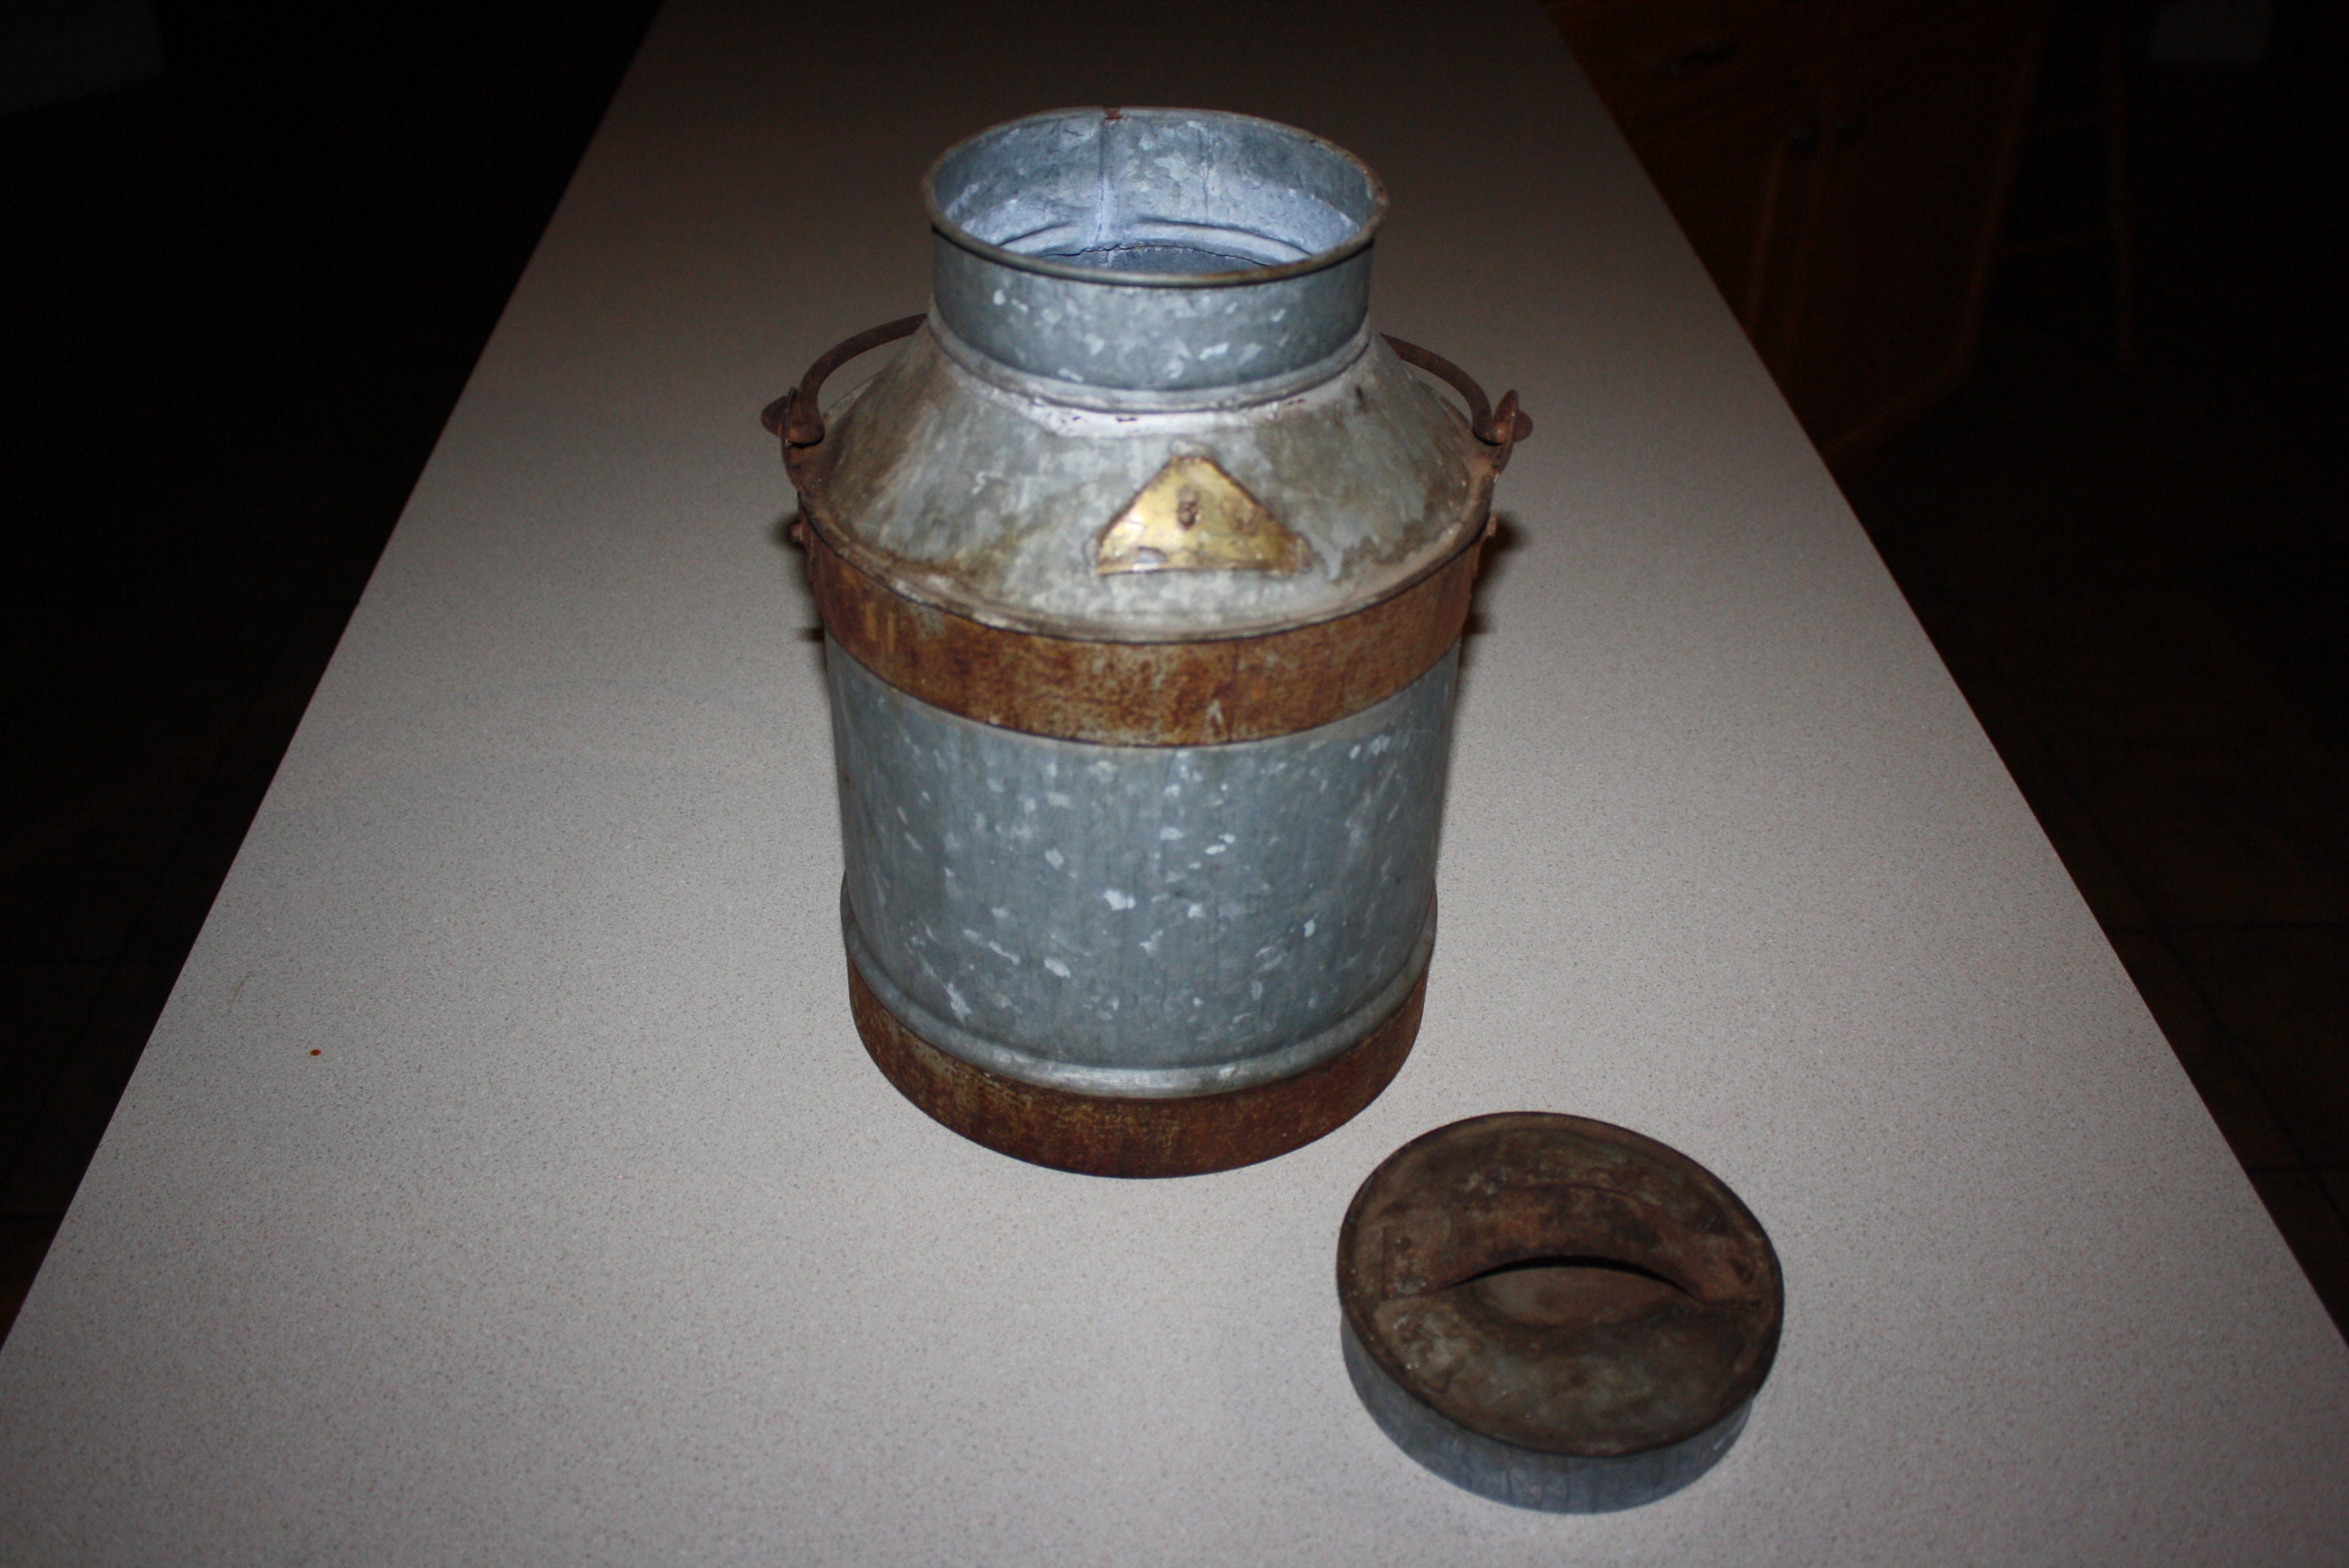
<point x="1150" y="921"/>
<point x="1143" y="694"/>
<point x="1109" y="1136"/>
<point x="1554" y="1312"/>
<point x="1101" y="247"/>
<point x="990" y="503"/>
<point x="1143" y="564"/>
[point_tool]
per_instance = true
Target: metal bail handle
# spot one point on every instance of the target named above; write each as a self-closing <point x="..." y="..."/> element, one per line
<point x="1501" y="427"/>
<point x="796" y="417"/>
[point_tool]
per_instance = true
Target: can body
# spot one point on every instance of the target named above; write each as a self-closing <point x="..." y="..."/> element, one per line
<point x="1140" y="921"/>
<point x="1142" y="567"/>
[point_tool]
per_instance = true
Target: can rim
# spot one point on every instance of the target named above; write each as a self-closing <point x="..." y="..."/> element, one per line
<point x="1365" y="231"/>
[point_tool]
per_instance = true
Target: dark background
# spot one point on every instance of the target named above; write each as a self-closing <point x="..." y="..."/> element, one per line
<point x="243" y="299"/>
<point x="244" y="296"/>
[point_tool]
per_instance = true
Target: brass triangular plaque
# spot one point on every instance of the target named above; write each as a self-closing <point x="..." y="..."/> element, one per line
<point x="1194" y="517"/>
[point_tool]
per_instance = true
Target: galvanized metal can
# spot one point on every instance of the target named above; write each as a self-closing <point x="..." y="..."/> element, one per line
<point x="1142" y="566"/>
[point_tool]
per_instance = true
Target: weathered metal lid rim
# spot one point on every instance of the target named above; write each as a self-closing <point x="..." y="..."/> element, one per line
<point x="1561" y="1286"/>
<point x="1528" y="1478"/>
<point x="957" y="169"/>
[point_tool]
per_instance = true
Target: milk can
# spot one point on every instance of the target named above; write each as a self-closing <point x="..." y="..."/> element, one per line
<point x="1142" y="566"/>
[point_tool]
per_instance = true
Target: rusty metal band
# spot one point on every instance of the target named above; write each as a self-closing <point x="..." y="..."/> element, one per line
<point x="1142" y="694"/>
<point x="1102" y="1136"/>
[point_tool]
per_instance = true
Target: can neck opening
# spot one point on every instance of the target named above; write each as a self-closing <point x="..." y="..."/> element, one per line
<point x="1155" y="196"/>
<point x="1153" y="250"/>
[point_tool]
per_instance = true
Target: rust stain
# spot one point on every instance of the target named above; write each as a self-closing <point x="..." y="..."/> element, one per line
<point x="1143" y="694"/>
<point x="1561" y="1284"/>
<point x="1102" y="1136"/>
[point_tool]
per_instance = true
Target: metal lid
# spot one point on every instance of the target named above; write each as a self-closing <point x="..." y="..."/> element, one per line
<point x="1153" y="250"/>
<point x="1554" y="1312"/>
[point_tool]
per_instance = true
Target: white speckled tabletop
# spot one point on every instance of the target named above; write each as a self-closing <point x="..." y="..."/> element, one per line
<point x="590" y="1236"/>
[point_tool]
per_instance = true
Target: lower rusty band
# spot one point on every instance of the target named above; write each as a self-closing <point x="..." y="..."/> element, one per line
<point x="1143" y="694"/>
<point x="1100" y="1135"/>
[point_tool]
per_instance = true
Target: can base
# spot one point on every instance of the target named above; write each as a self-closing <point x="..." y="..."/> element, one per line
<point x="1097" y="1135"/>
